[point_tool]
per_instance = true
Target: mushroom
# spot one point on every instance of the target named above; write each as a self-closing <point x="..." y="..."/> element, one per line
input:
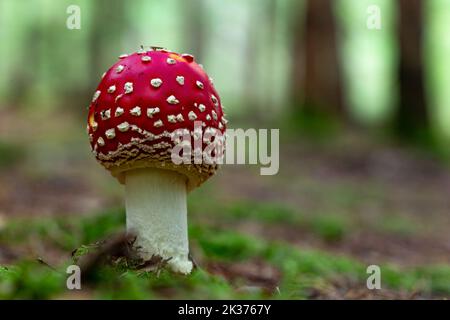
<point x="156" y="93"/>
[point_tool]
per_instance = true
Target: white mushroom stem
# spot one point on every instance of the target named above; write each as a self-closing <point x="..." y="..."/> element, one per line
<point x="157" y="214"/>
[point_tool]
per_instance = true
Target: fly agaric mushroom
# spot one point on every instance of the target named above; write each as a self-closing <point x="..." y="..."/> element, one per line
<point x="140" y="102"/>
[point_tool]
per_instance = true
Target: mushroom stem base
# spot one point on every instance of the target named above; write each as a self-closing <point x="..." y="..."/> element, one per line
<point x="157" y="214"/>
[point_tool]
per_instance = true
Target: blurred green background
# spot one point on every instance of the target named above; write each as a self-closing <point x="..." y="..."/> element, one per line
<point x="364" y="118"/>
<point x="251" y="48"/>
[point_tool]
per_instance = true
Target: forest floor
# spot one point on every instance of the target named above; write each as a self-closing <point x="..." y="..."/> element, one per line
<point x="309" y="232"/>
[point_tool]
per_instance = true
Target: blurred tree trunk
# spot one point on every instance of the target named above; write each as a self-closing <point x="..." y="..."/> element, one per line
<point x="251" y="54"/>
<point x="317" y="88"/>
<point x="195" y="27"/>
<point x="23" y="77"/>
<point x="107" y="27"/>
<point x="96" y="40"/>
<point x="297" y="76"/>
<point x="412" y="121"/>
<point x="270" y="13"/>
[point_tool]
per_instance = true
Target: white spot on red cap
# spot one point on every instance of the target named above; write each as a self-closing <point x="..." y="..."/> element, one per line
<point x="224" y="121"/>
<point x="158" y="124"/>
<point x="214" y="114"/>
<point x="119" y="112"/>
<point x="110" y="133"/>
<point x="105" y="114"/>
<point x="123" y="56"/>
<point x="156" y="82"/>
<point x="171" y="61"/>
<point x="111" y="89"/>
<point x="201" y="107"/>
<point x="96" y="95"/>
<point x="208" y="117"/>
<point x="136" y="111"/>
<point x="214" y="100"/>
<point x="146" y="59"/>
<point x="171" y="118"/>
<point x="123" y="127"/>
<point x="180" y="80"/>
<point x="172" y="100"/>
<point x="152" y="111"/>
<point x="100" y="141"/>
<point x="128" y="87"/>
<point x="180" y="117"/>
<point x="199" y="84"/>
<point x="192" y="116"/>
<point x="120" y="68"/>
<point x="94" y="126"/>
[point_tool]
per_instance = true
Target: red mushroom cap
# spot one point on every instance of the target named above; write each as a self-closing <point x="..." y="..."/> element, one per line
<point x="144" y="98"/>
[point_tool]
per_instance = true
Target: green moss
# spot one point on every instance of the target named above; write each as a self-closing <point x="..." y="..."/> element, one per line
<point x="65" y="233"/>
<point x="29" y="280"/>
<point x="224" y="245"/>
<point x="329" y="227"/>
<point x="396" y="225"/>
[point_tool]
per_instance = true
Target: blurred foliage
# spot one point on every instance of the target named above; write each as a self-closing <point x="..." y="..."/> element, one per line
<point x="252" y="67"/>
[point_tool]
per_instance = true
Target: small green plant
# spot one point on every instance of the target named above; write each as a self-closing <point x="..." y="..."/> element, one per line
<point x="330" y="227"/>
